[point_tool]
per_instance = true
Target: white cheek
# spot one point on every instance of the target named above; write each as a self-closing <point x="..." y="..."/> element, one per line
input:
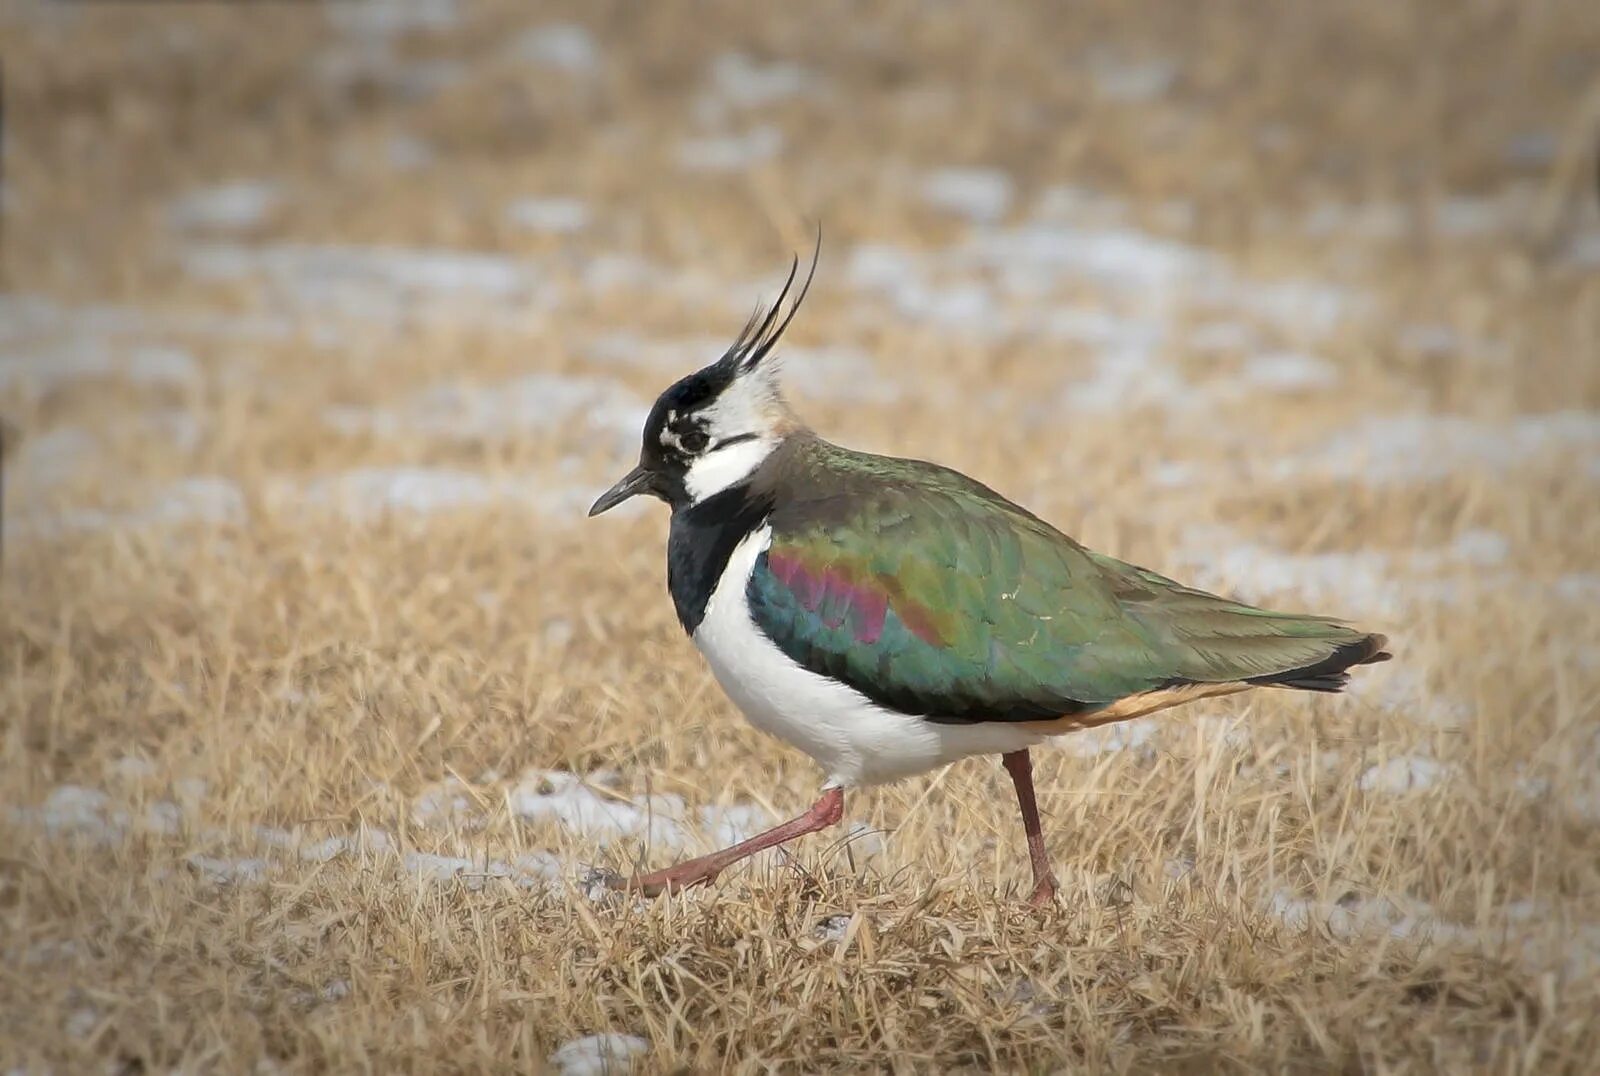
<point x="716" y="471"/>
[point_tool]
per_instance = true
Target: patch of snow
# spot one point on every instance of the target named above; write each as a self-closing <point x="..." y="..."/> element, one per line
<point x="981" y="195"/>
<point x="1289" y="371"/>
<point x="555" y="795"/>
<point x="1353" y="916"/>
<point x="599" y="1055"/>
<point x="1407" y="773"/>
<point x="1130" y="378"/>
<point x="1115" y="258"/>
<point x="834" y="373"/>
<point x="435" y="868"/>
<point x="1221" y="336"/>
<point x="374" y="491"/>
<point x="408" y="153"/>
<point x="73" y="809"/>
<point x="861" y="841"/>
<point x="1464" y="216"/>
<point x="1122" y="736"/>
<point x="1064" y="203"/>
<point x="1231" y="731"/>
<point x="1419" y="447"/>
<point x="442" y="803"/>
<point x="86" y="358"/>
<point x="191" y="790"/>
<point x="132" y="768"/>
<point x="1368" y="220"/>
<point x="1306" y="308"/>
<point x="1118" y="78"/>
<point x="1583" y="249"/>
<point x="1531" y="148"/>
<point x="894" y="273"/>
<point x="1440" y="341"/>
<point x="654" y="353"/>
<point x="49" y="458"/>
<point x="454" y="412"/>
<point x="81" y="1022"/>
<point x="1170" y="474"/>
<point x="831" y="928"/>
<point x="1404" y="691"/>
<point x="223" y="871"/>
<point x="373" y="283"/>
<point x="726" y="826"/>
<point x="1578" y="587"/>
<point x="1527" y="931"/>
<point x="747" y="83"/>
<point x="660" y="819"/>
<point x="1482" y="548"/>
<point x="730" y="153"/>
<point x="380" y="18"/>
<point x="204" y="499"/>
<point x="229" y="207"/>
<point x="164" y="817"/>
<point x="550" y="216"/>
<point x="1219" y="560"/>
<point x="559" y="46"/>
<point x="324" y="850"/>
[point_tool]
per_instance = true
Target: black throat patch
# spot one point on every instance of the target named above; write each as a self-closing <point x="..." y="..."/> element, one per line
<point x="702" y="538"/>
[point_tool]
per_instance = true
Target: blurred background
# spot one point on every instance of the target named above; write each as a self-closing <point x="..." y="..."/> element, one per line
<point x="321" y="324"/>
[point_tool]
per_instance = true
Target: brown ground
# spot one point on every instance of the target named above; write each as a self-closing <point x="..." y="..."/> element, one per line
<point x="1318" y="324"/>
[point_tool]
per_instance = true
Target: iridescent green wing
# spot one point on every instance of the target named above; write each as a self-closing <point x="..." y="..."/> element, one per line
<point x="933" y="595"/>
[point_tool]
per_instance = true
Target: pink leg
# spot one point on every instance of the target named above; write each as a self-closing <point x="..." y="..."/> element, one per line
<point x="824" y="813"/>
<point x="1020" y="766"/>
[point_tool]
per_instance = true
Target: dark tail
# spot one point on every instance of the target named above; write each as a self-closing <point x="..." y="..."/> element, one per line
<point x="1332" y="672"/>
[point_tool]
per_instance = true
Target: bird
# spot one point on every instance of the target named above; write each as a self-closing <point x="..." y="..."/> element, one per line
<point x="890" y="616"/>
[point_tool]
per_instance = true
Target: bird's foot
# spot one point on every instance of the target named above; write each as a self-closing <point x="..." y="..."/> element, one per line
<point x="674" y="879"/>
<point x="1044" y="892"/>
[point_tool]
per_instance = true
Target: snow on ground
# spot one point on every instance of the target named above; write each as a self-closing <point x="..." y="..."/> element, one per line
<point x="86" y="355"/>
<point x="1520" y="931"/>
<point x="1367" y="582"/>
<point x="1123" y="736"/>
<point x="1075" y="271"/>
<point x="661" y="819"/>
<point x="1413" y="447"/>
<point x="981" y="195"/>
<point x="739" y="80"/>
<point x="367" y="493"/>
<point x="549" y="215"/>
<point x="599" y="1055"/>
<point x="730" y="152"/>
<point x="380" y="283"/>
<point x="582" y="807"/>
<point x="1402" y="689"/>
<point x="558" y="46"/>
<point x="1405" y="773"/>
<point x="207" y="499"/>
<point x="236" y="206"/>
<point x="383" y="18"/>
<point x="503" y="411"/>
<point x="1119" y="78"/>
<point x="1352" y="916"/>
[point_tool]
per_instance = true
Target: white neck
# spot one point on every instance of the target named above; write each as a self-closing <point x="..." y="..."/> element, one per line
<point x="725" y="467"/>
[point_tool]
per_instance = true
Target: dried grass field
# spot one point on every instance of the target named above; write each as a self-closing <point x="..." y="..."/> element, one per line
<point x="322" y="324"/>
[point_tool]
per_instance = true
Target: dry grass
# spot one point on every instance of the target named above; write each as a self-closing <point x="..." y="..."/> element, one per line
<point x="1250" y="887"/>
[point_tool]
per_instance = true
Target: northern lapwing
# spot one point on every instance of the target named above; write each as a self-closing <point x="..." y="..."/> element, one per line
<point x="889" y="616"/>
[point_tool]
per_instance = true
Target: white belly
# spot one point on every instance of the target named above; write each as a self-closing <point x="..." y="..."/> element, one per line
<point x="856" y="741"/>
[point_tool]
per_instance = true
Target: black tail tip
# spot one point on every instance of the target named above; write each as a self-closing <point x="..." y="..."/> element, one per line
<point x="1331" y="674"/>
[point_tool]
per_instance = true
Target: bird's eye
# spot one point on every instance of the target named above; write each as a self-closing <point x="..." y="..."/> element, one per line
<point x="694" y="440"/>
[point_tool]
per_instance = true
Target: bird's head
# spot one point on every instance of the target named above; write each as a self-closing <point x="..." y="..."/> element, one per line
<point x="712" y="429"/>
